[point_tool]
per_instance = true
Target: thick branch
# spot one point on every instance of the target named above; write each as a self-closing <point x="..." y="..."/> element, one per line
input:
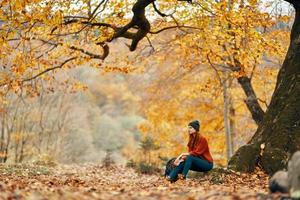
<point x="245" y="82"/>
<point x="158" y="11"/>
<point x="251" y="100"/>
<point x="139" y="20"/>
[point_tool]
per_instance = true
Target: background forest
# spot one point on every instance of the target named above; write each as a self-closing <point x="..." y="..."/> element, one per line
<point x="134" y="107"/>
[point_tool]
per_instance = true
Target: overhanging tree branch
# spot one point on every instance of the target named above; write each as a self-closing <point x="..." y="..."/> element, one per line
<point x="49" y="69"/>
<point x="88" y="53"/>
<point x="139" y="19"/>
<point x="43" y="72"/>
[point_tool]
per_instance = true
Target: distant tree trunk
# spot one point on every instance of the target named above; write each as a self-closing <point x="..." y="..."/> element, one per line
<point x="4" y="138"/>
<point x="8" y="135"/>
<point x="232" y="123"/>
<point x="22" y="153"/>
<point x="2" y="142"/>
<point x="279" y="132"/>
<point x="149" y="157"/>
<point x="227" y="124"/>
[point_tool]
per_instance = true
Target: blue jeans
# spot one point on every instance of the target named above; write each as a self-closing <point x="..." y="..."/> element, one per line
<point x="191" y="163"/>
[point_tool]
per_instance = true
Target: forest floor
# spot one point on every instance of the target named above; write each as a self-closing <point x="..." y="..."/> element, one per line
<point x="96" y="182"/>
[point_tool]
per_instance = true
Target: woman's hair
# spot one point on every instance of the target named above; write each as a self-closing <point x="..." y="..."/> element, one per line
<point x="193" y="139"/>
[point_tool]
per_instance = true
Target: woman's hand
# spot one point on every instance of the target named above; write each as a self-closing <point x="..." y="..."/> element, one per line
<point x="184" y="154"/>
<point x="180" y="158"/>
<point x="183" y="157"/>
<point x="176" y="162"/>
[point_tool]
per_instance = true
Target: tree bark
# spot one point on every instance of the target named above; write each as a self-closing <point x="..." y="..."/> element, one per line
<point x="251" y="100"/>
<point x="278" y="135"/>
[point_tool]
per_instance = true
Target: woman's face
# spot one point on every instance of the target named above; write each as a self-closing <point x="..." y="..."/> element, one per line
<point x="191" y="130"/>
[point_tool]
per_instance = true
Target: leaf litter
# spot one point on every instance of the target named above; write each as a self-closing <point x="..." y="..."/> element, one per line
<point x="89" y="181"/>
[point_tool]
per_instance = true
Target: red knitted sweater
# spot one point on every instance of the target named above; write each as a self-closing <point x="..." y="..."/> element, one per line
<point x="201" y="150"/>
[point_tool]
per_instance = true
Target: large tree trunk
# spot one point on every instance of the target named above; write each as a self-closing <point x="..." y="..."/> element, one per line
<point x="278" y="136"/>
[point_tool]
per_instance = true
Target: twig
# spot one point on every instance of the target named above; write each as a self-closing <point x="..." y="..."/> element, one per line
<point x="171" y="27"/>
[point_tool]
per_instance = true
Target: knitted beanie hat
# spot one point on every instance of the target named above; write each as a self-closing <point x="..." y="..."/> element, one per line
<point x="195" y="124"/>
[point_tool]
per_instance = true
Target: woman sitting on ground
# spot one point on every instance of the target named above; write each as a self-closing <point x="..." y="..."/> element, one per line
<point x="198" y="157"/>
